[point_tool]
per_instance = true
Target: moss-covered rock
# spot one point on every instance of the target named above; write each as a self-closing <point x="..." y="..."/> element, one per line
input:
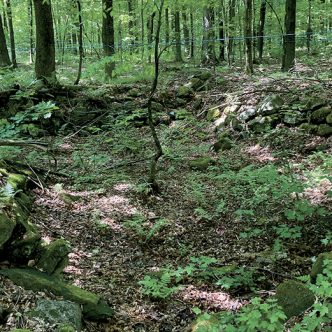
<point x="324" y="130"/>
<point x="20" y="330"/>
<point x="260" y="124"/>
<point x="204" y="75"/>
<point x="7" y="226"/>
<point x="213" y="114"/>
<point x="224" y="143"/>
<point x="54" y="257"/>
<point x="318" y="266"/>
<point x="59" y="313"/>
<point x="329" y="119"/>
<point x="206" y="323"/>
<point x="309" y="128"/>
<point x="93" y="306"/>
<point x="17" y="181"/>
<point x="201" y="163"/>
<point x="320" y="115"/>
<point x="185" y="92"/>
<point x="270" y="105"/>
<point x="196" y="84"/>
<point x="293" y="118"/>
<point x="294" y="297"/>
<point x="66" y="328"/>
<point x="157" y="107"/>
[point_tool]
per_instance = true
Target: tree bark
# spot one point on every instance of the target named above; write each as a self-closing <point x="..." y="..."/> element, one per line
<point x="261" y="30"/>
<point x="177" y="32"/>
<point x="4" y="55"/>
<point x="208" y="43"/>
<point x="11" y="33"/>
<point x="185" y="30"/>
<point x="288" y="58"/>
<point x="248" y="34"/>
<point x="167" y="29"/>
<point x="31" y="41"/>
<point x="80" y="41"/>
<point x="231" y="15"/>
<point x="108" y="28"/>
<point x="45" y="48"/>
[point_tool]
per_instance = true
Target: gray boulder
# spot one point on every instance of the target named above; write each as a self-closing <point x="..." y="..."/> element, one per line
<point x="270" y="105"/>
<point x="248" y="114"/>
<point x="59" y="313"/>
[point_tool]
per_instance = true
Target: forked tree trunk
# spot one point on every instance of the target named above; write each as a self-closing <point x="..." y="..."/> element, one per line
<point x="45" y="48"/>
<point x="288" y="58"/>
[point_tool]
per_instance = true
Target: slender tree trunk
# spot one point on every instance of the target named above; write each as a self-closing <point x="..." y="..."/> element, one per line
<point x="177" y="32"/>
<point x="208" y="44"/>
<point x="167" y="29"/>
<point x="221" y="32"/>
<point x="261" y="30"/>
<point x="80" y="42"/>
<point x="185" y="31"/>
<point x="150" y="27"/>
<point x="131" y="24"/>
<point x="288" y="59"/>
<point x="192" y="32"/>
<point x="4" y="55"/>
<point x="248" y="36"/>
<point x="231" y="15"/>
<point x="31" y="41"/>
<point x="108" y="28"/>
<point x="11" y="33"/>
<point x="309" y="31"/>
<point x="45" y="48"/>
<point x="159" y="151"/>
<point x="142" y="30"/>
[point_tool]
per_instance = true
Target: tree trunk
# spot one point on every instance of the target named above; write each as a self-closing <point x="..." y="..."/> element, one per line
<point x="45" y="48"/>
<point x="31" y="41"/>
<point x="11" y="33"/>
<point x="108" y="28"/>
<point x="208" y="49"/>
<point x="192" y="32"/>
<point x="222" y="32"/>
<point x="177" y="32"/>
<point x="288" y="58"/>
<point x="309" y="31"/>
<point x="80" y="41"/>
<point x="150" y="27"/>
<point x="248" y="36"/>
<point x="159" y="151"/>
<point x="185" y="31"/>
<point x="231" y="15"/>
<point x="131" y="24"/>
<point x="167" y="29"/>
<point x="261" y="30"/>
<point x="4" y="56"/>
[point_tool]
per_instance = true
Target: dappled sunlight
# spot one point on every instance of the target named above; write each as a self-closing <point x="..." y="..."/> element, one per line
<point x="259" y="153"/>
<point x="210" y="300"/>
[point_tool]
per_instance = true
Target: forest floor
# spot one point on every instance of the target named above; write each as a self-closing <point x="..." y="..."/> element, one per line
<point x="233" y="214"/>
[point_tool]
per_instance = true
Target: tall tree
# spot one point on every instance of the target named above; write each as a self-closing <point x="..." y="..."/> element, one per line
<point x="108" y="28"/>
<point x="4" y="55"/>
<point x="45" y="47"/>
<point x="261" y="29"/>
<point x="208" y="43"/>
<point x="177" y="33"/>
<point x="289" y="41"/>
<point x="80" y="41"/>
<point x="31" y="41"/>
<point x="248" y="34"/>
<point x="231" y="29"/>
<point x="185" y="30"/>
<point x="11" y="33"/>
<point x="222" y="32"/>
